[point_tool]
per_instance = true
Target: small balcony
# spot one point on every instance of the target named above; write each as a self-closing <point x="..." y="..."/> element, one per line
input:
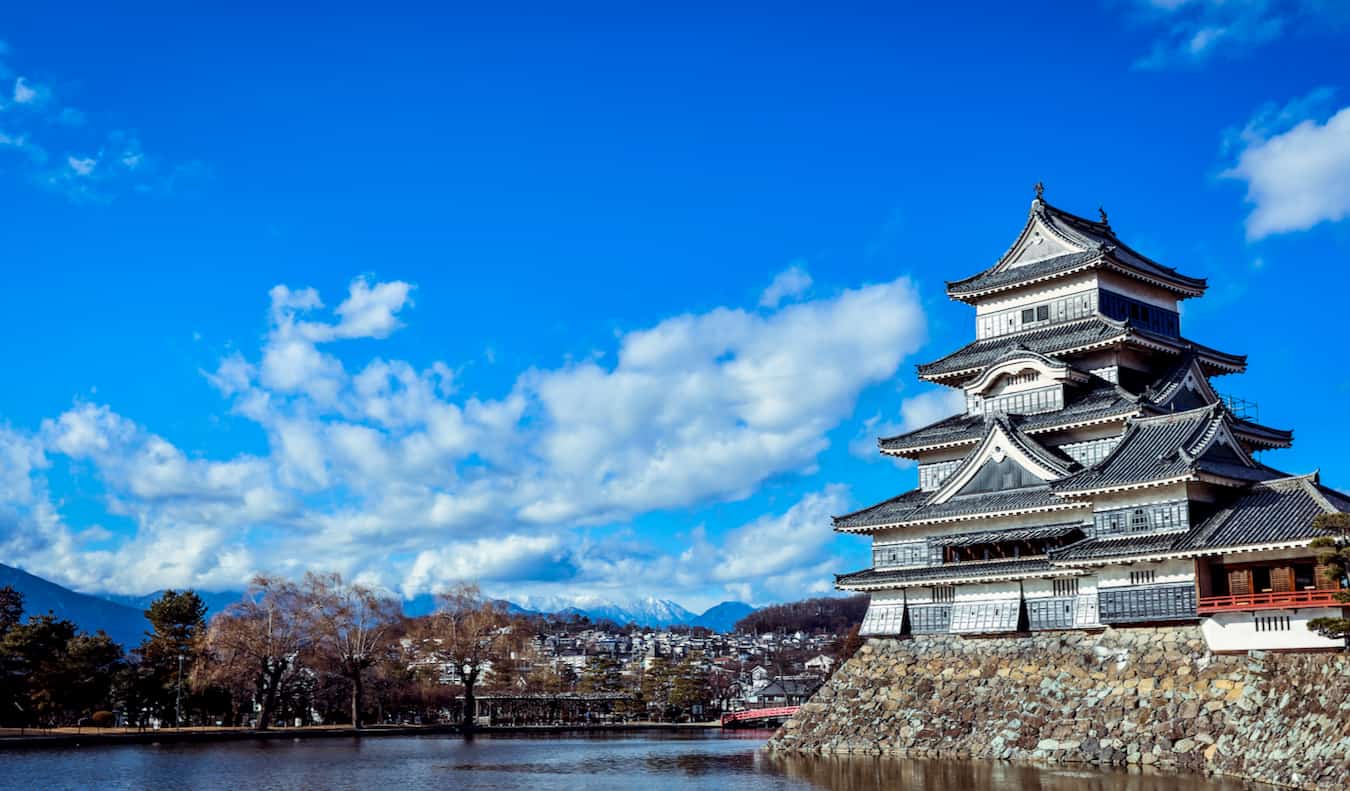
<point x="1283" y="600"/>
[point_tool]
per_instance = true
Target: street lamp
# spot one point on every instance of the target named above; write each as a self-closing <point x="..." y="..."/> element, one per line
<point x="178" y="701"/>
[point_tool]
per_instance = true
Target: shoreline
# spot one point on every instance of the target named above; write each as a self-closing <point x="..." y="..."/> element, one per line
<point x="204" y="736"/>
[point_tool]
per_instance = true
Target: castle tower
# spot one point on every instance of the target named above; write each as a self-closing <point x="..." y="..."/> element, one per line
<point x="1095" y="477"/>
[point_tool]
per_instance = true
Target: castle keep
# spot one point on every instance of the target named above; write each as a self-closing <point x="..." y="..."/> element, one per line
<point x="1096" y="478"/>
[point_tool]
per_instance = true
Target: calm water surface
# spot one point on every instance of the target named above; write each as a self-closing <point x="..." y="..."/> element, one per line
<point x="645" y="762"/>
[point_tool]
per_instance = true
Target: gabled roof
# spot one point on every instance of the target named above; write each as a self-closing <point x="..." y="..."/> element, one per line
<point x="1045" y="463"/>
<point x="1071" y="337"/>
<point x="1271" y="512"/>
<point x="1019" y="358"/>
<point x="1098" y="400"/>
<point x="1054" y="243"/>
<point x="1276" y="513"/>
<point x="1171" y="447"/>
<point x="960" y="496"/>
<point x="1186" y="386"/>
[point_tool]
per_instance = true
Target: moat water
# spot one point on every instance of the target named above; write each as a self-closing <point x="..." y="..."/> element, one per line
<point x="635" y="762"/>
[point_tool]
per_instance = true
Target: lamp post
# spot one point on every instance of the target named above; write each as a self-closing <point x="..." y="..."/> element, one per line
<point x="178" y="701"/>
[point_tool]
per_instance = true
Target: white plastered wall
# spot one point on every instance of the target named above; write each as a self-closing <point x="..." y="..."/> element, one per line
<point x="1237" y="631"/>
<point x="1166" y="572"/>
<point x="1141" y="291"/>
<point x="1032" y="295"/>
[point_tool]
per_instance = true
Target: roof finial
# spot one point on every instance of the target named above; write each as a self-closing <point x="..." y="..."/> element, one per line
<point x="1102" y="212"/>
<point x="1040" y="190"/>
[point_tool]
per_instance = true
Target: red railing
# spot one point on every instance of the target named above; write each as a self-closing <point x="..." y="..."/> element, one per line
<point x="1267" y="601"/>
<point x="782" y="712"/>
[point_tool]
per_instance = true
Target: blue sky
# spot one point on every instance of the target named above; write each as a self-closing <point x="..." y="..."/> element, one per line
<point x="428" y="293"/>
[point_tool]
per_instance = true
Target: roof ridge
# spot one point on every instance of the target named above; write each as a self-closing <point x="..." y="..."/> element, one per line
<point x="1167" y="417"/>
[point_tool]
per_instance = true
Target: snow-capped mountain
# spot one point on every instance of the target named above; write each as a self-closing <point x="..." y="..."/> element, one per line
<point x="649" y="611"/>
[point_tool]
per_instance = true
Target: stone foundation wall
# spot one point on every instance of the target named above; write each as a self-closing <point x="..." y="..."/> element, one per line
<point x="1145" y="696"/>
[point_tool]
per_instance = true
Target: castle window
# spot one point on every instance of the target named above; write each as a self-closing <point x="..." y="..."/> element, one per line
<point x="1042" y="313"/>
<point x="1143" y="577"/>
<point x="1067" y="587"/>
<point x="943" y="593"/>
<point x="1028" y="315"/>
<point x="1139" y="519"/>
<point x="1272" y="623"/>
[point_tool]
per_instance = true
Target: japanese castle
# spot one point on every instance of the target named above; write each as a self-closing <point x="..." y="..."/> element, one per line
<point x="1096" y="478"/>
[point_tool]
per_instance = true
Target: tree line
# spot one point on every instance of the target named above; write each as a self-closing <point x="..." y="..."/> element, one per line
<point x="834" y="615"/>
<point x="323" y="649"/>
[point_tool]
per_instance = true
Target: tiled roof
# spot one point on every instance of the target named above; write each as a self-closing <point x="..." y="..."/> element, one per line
<point x="1277" y="437"/>
<point x="1100" y="399"/>
<point x="1099" y="245"/>
<point x="1271" y="512"/>
<point x="887" y="511"/>
<point x="1057" y="338"/>
<point x="1167" y="394"/>
<point x="1165" y="447"/>
<point x="1046" y="340"/>
<point x="946" y="572"/>
<point x="1115" y="546"/>
<point x="1015" y="534"/>
<point x="991" y="279"/>
<point x="908" y="508"/>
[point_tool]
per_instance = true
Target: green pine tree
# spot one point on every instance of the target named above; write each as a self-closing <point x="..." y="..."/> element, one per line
<point x="1334" y="556"/>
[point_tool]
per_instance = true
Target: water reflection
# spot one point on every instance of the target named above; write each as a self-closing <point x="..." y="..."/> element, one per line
<point x="855" y="773"/>
<point x="703" y="761"/>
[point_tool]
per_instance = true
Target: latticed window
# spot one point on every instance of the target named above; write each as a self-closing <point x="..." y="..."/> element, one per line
<point x="1161" y="602"/>
<point x="1143" y="577"/>
<point x="1067" y="587"/>
<point x="915" y="553"/>
<point x="1156" y="516"/>
<point x="943" y="593"/>
<point x="930" y="619"/>
<point x="987" y="616"/>
<point x="1068" y="308"/>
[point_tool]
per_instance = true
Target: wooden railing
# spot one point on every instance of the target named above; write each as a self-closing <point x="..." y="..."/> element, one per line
<point x="1267" y="601"/>
<point x="750" y="715"/>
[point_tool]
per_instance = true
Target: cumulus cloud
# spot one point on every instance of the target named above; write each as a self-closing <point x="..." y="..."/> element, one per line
<point x="791" y="282"/>
<point x="1296" y="167"/>
<point x="383" y="470"/>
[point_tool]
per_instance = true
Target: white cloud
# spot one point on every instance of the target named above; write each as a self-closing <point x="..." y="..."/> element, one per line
<point x="1296" y="168"/>
<point x="94" y="164"/>
<point x="24" y="93"/>
<point x="921" y="410"/>
<point x="82" y="166"/>
<point x="384" y="470"/>
<point x="1194" y="31"/>
<point x="791" y="282"/>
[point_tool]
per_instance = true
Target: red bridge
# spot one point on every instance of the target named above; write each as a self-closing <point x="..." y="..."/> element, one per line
<point x="757" y="718"/>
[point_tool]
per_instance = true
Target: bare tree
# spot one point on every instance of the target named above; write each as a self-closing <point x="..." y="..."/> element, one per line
<point x="261" y="637"/>
<point x="351" y="626"/>
<point x="468" y="634"/>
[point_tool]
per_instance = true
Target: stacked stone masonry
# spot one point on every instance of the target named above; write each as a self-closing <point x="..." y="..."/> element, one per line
<point x="1153" y="697"/>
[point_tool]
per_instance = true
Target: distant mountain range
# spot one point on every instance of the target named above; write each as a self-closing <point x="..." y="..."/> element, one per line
<point x="126" y="625"/>
<point x="123" y="619"/>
